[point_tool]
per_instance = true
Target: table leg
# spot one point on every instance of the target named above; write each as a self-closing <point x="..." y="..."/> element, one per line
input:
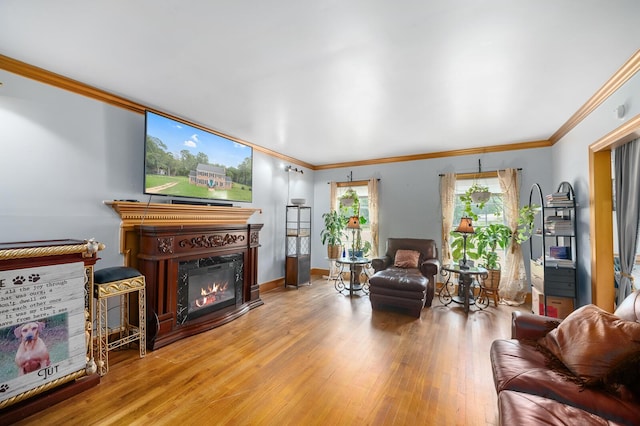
<point x="339" y="281"/>
<point x="445" y="295"/>
<point x="352" y="279"/>
<point x="466" y="281"/>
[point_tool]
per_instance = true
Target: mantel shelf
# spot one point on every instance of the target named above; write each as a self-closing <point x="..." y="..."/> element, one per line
<point x="135" y="213"/>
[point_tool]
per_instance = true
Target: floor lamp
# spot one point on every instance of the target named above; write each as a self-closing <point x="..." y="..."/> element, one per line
<point x="465" y="228"/>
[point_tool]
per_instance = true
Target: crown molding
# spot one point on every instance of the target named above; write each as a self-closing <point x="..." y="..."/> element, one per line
<point x="62" y="82"/>
<point x="441" y="154"/>
<point x="614" y="83"/>
<point x="620" y="77"/>
<point x="619" y="136"/>
<point x="74" y="86"/>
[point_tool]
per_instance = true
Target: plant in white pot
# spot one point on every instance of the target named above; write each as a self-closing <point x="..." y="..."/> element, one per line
<point x="477" y="195"/>
<point x="350" y="200"/>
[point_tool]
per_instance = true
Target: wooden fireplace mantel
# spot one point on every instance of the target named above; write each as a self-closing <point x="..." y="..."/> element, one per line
<point x="135" y="213"/>
<point x="157" y="238"/>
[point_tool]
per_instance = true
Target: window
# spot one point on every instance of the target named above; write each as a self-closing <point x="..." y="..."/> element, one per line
<point x="492" y="212"/>
<point x="362" y="189"/>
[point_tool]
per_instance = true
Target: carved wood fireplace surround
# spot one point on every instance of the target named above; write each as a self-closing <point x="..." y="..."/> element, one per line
<point x="160" y="239"/>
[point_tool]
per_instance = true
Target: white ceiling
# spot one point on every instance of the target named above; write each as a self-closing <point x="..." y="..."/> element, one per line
<point x="334" y="81"/>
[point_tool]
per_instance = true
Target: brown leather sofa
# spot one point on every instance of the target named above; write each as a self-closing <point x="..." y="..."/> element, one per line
<point x="409" y="288"/>
<point x="531" y="391"/>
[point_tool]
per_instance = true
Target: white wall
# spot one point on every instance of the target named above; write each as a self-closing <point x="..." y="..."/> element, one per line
<point x="63" y="154"/>
<point x="410" y="192"/>
<point x="571" y="163"/>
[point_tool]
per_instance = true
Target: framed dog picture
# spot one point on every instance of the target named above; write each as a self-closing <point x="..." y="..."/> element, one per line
<point x="43" y="336"/>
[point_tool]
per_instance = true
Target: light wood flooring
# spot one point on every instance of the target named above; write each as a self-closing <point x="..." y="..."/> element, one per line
<point x="309" y="356"/>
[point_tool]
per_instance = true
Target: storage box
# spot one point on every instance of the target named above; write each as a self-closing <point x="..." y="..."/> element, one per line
<point x="537" y="276"/>
<point x="557" y="307"/>
<point x="536" y="301"/>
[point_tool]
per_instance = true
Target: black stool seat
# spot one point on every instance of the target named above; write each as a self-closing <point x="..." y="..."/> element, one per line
<point x="114" y="273"/>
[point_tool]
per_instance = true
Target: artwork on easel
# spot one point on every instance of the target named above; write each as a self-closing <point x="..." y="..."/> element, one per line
<point x="42" y="328"/>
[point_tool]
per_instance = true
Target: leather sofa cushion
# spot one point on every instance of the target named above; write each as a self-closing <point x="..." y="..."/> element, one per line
<point x="629" y="309"/>
<point x="517" y="408"/>
<point x="590" y="341"/>
<point x="397" y="293"/>
<point x="403" y="279"/>
<point x="518" y="366"/>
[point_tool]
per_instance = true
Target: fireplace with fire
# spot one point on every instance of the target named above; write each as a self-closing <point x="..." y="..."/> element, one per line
<point x="198" y="277"/>
<point x="208" y="284"/>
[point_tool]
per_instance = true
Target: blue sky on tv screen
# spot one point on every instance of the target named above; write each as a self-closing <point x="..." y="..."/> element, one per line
<point x="179" y="136"/>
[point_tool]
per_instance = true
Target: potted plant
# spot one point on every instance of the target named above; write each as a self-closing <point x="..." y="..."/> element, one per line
<point x="477" y="195"/>
<point x="488" y="239"/>
<point x="332" y="233"/>
<point x="350" y="199"/>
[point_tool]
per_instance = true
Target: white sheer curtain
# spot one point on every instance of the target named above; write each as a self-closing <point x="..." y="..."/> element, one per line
<point x="448" y="202"/>
<point x="373" y="215"/>
<point x="627" y="186"/>
<point x="513" y="286"/>
<point x="333" y="196"/>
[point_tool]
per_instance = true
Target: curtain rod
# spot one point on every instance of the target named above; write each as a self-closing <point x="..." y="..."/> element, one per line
<point x="351" y="181"/>
<point x="480" y="173"/>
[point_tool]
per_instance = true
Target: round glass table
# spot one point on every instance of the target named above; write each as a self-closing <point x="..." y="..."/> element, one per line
<point x="357" y="267"/>
<point x="464" y="295"/>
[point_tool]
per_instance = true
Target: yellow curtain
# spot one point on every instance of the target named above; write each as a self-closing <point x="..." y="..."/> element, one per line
<point x="373" y="215"/>
<point x="333" y="196"/>
<point x="448" y="202"/>
<point x="513" y="287"/>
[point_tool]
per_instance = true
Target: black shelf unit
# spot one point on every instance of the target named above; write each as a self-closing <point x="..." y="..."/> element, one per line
<point x="554" y="260"/>
<point x="298" y="246"/>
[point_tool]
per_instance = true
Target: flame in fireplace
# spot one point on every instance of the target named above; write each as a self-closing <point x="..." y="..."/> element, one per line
<point x="208" y="295"/>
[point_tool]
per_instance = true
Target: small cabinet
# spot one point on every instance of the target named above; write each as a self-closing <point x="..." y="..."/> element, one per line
<point x="553" y="248"/>
<point x="298" y="246"/>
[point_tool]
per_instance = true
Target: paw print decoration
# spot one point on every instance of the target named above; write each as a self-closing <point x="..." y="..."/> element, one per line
<point x="19" y="280"/>
<point x="34" y="278"/>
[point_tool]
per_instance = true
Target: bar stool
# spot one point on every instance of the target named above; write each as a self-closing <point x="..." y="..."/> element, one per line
<point x="118" y="281"/>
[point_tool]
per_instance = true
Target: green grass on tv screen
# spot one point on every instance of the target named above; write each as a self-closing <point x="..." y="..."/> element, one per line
<point x="180" y="186"/>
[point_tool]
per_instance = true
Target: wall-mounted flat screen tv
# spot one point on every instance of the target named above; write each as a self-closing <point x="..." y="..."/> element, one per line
<point x="187" y="162"/>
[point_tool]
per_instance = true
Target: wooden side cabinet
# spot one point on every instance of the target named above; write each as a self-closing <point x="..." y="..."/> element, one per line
<point x="298" y="246"/>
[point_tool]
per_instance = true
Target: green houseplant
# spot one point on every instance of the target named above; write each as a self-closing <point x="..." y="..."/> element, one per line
<point x="477" y="195"/>
<point x="332" y="233"/>
<point x="488" y="239"/>
<point x="351" y="200"/>
<point x="484" y="243"/>
<point x="526" y="217"/>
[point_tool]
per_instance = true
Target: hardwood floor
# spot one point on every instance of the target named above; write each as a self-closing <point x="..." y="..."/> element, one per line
<point x="308" y="356"/>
